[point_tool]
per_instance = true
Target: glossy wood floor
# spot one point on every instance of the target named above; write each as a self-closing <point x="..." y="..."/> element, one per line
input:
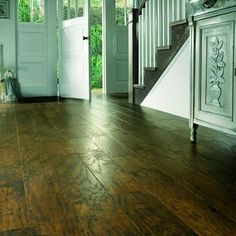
<point x="110" y="168"/>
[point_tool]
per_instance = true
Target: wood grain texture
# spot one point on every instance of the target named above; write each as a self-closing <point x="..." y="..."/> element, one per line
<point x="111" y="168"/>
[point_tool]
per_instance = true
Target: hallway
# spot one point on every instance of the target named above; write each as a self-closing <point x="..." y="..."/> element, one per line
<point x="109" y="168"/>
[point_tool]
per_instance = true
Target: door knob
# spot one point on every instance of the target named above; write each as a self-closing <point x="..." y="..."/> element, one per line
<point x="85" y="38"/>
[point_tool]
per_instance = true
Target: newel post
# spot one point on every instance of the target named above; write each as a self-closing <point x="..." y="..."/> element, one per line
<point x="133" y="51"/>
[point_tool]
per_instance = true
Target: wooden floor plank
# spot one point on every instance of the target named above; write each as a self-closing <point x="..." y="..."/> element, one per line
<point x="184" y="203"/>
<point x="94" y="206"/>
<point x="149" y="215"/>
<point x="13" y="209"/>
<point x="20" y="232"/>
<point x="72" y="167"/>
<point x="49" y="212"/>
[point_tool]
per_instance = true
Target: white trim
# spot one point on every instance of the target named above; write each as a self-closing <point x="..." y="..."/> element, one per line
<point x="104" y="59"/>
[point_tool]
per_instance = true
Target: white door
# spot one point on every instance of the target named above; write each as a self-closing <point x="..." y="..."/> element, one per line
<point x="74" y="76"/>
<point x="37" y="51"/>
<point x="115" y="45"/>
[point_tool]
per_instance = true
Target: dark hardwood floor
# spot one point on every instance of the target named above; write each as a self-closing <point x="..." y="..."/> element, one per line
<point x="110" y="168"/>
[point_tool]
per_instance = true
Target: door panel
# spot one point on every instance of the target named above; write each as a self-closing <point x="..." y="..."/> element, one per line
<point x="75" y="79"/>
<point x="36" y="55"/>
<point x="115" y="52"/>
<point x="36" y="68"/>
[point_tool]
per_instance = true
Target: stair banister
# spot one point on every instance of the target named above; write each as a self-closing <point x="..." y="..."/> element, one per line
<point x="152" y="32"/>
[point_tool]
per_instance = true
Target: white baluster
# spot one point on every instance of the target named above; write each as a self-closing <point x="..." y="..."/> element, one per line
<point x="183" y="9"/>
<point x="154" y="6"/>
<point x="154" y="29"/>
<point x="172" y="10"/>
<point x="159" y="35"/>
<point x="141" y="49"/>
<point x="164" y="23"/>
<point x="168" y="17"/>
<point x="146" y="10"/>
<point x="178" y="17"/>
<point x="150" y="34"/>
<point x="147" y="34"/>
<point x="157" y="24"/>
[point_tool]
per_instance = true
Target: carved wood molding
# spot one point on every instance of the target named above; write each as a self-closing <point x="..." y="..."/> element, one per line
<point x="204" y="6"/>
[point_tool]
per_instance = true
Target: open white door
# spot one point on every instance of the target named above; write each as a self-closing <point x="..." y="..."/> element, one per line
<point x="74" y="72"/>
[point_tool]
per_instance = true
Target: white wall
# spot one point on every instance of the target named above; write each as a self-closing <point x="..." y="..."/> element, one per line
<point x="171" y="93"/>
<point x="8" y="38"/>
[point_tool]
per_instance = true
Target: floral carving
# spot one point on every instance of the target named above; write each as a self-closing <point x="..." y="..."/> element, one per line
<point x="216" y="70"/>
<point x="200" y="5"/>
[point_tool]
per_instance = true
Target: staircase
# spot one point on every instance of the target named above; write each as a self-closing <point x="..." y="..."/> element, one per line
<point x="161" y="31"/>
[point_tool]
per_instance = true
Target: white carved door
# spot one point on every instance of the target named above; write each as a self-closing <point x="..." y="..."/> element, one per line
<point x="37" y="51"/>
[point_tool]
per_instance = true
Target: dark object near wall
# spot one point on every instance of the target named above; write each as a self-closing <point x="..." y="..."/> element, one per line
<point x="209" y="3"/>
<point x="4" y="9"/>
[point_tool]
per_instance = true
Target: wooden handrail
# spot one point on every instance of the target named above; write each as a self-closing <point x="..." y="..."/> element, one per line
<point x="142" y="5"/>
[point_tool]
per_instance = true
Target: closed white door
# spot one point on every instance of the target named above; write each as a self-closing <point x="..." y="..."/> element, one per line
<point x="37" y="49"/>
<point x="115" y="45"/>
<point x="75" y="79"/>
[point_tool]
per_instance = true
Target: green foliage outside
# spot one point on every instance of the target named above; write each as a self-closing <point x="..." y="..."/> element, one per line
<point x="119" y="17"/>
<point x="30" y="11"/>
<point x="38" y="16"/>
<point x="96" y="43"/>
<point x="24" y="11"/>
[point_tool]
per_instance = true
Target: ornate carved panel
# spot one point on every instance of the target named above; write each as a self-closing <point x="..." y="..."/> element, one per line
<point x="213" y="57"/>
<point x="216" y="70"/>
<point x="214" y="84"/>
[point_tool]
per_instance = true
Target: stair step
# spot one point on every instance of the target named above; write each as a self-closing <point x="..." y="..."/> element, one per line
<point x="139" y="86"/>
<point x="164" y="55"/>
<point x="150" y="68"/>
<point x="179" y="22"/>
<point x="163" y="48"/>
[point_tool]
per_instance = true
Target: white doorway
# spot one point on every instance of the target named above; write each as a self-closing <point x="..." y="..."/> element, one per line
<point x="37" y="50"/>
<point x="115" y="50"/>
